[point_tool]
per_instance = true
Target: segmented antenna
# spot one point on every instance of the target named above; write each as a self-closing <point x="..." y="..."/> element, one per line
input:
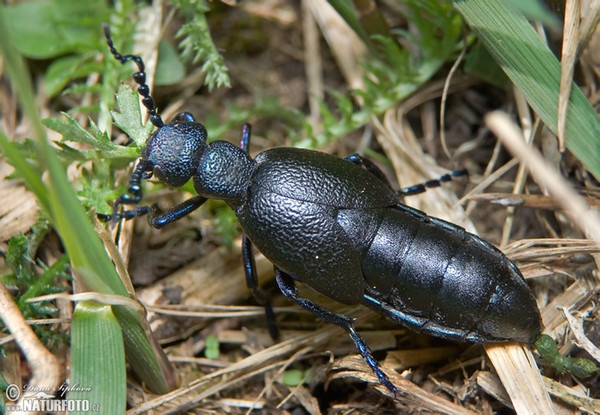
<point x="139" y="77"/>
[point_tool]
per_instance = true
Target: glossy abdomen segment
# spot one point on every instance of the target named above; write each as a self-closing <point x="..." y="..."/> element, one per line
<point x="435" y="277"/>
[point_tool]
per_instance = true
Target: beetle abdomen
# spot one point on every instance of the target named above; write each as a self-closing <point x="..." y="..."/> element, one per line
<point x="435" y="277"/>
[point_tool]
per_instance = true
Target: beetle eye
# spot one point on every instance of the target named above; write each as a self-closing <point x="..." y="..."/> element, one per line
<point x="184" y="117"/>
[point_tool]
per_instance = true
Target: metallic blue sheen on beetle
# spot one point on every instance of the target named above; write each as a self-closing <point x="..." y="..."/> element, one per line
<point x="336" y="226"/>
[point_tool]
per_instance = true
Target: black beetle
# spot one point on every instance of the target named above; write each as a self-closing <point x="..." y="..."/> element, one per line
<point x="336" y="226"/>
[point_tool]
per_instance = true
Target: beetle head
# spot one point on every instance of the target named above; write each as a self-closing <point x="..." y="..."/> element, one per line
<point x="172" y="152"/>
<point x="175" y="149"/>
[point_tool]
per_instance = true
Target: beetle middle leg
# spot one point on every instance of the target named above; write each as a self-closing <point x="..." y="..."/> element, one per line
<point x="288" y="288"/>
<point x="248" y="258"/>
<point x="422" y="187"/>
<point x="252" y="283"/>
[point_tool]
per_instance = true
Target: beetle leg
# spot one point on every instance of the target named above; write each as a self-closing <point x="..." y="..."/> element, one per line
<point x="288" y="288"/>
<point x="252" y="283"/>
<point x="245" y="141"/>
<point x="127" y="214"/>
<point x="156" y="217"/>
<point x="405" y="191"/>
<point x="369" y="166"/>
<point x="422" y="187"/>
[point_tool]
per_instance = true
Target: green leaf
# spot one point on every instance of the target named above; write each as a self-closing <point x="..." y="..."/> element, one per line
<point x="169" y="68"/>
<point x="144" y="354"/>
<point x="293" y="377"/>
<point x="129" y="117"/>
<point x="535" y="71"/>
<point x="59" y="73"/>
<point x="197" y="44"/>
<point x="43" y="283"/>
<point x="578" y="366"/>
<point x="23" y="168"/>
<point x="43" y="29"/>
<point x="536" y="10"/>
<point x="211" y="350"/>
<point x="63" y="70"/>
<point x="71" y="130"/>
<point x="481" y="64"/>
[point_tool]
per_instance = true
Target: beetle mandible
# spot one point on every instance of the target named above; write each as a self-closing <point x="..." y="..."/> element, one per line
<point x="336" y="226"/>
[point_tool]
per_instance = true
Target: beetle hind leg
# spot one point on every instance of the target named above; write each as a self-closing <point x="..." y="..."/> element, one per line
<point x="288" y="288"/>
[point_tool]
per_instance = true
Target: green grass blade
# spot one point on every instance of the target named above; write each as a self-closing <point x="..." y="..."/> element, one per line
<point x="91" y="265"/>
<point x="28" y="173"/>
<point x="348" y="13"/>
<point x="79" y="237"/>
<point x="97" y="360"/>
<point x="535" y="71"/>
<point x="145" y="355"/>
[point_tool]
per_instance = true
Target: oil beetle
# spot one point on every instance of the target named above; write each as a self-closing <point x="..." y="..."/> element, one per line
<point x="337" y="226"/>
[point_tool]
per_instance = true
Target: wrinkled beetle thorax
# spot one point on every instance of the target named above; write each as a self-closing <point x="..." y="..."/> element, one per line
<point x="224" y="172"/>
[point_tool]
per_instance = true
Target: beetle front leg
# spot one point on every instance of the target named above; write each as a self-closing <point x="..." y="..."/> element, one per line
<point x="288" y="288"/>
<point x="252" y="283"/>
<point x="142" y="170"/>
<point x="158" y="218"/>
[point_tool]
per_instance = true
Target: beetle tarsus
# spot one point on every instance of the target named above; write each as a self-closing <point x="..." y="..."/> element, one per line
<point x="288" y="288"/>
<point x="429" y="184"/>
<point x="158" y="218"/>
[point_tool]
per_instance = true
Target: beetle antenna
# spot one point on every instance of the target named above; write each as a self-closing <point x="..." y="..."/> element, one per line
<point x="139" y="77"/>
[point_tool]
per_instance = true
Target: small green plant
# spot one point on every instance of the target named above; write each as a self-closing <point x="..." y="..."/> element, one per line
<point x="27" y="283"/>
<point x="392" y="72"/>
<point x="211" y="350"/>
<point x="295" y="377"/>
<point x="196" y="44"/>
<point x="577" y="366"/>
